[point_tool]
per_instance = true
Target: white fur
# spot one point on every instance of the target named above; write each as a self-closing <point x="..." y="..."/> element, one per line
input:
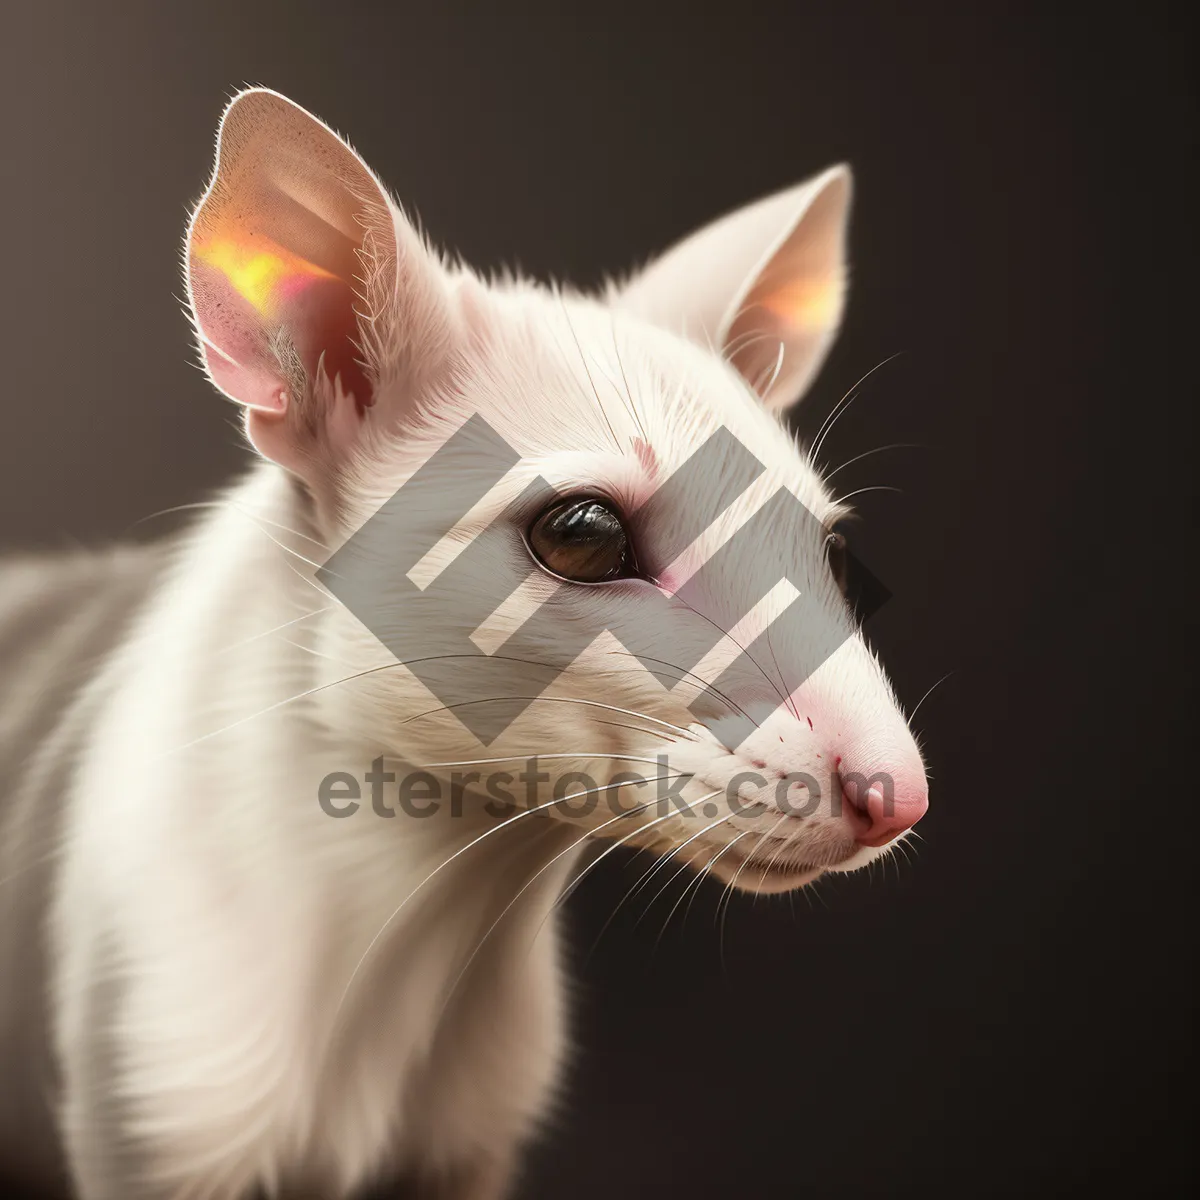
<point x="236" y="913"/>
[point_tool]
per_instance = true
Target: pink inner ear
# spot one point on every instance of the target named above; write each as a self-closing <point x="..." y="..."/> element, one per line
<point x="805" y="305"/>
<point x="255" y="299"/>
<point x="252" y="385"/>
<point x="324" y="326"/>
<point x="291" y="232"/>
<point x="235" y="340"/>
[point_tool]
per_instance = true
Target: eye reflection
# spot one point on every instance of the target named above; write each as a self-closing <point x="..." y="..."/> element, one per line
<point x="583" y="540"/>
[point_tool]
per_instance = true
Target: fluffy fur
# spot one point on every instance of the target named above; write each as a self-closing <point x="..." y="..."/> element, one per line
<point x="246" y="993"/>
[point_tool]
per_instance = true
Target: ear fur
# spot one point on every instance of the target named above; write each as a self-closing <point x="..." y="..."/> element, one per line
<point x="309" y="290"/>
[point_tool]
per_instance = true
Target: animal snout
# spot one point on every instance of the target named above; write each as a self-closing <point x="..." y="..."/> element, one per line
<point x="883" y="808"/>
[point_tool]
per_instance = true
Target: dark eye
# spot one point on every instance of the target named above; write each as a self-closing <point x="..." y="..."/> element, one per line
<point x="582" y="540"/>
<point x="835" y="550"/>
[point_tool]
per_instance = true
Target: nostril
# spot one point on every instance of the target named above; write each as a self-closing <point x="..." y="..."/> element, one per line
<point x="885" y="815"/>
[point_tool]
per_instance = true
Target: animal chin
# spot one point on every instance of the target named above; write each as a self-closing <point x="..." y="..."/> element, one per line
<point x="762" y="871"/>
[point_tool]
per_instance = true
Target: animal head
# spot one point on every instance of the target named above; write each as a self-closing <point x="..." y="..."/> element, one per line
<point x="648" y="585"/>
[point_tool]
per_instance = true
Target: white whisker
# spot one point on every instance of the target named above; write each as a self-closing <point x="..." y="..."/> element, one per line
<point x="526" y="812"/>
<point x="912" y="715"/>
<point x="538" y="874"/>
<point x="843" y="404"/>
<point x="694" y="886"/>
<point x="682" y="846"/>
<point x="868" y="453"/>
<point x="554" y="700"/>
<point x="278" y="628"/>
<point x="482" y="762"/>
<point x="862" y="491"/>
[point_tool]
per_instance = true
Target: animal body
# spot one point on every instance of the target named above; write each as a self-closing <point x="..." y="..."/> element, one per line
<point x="235" y="958"/>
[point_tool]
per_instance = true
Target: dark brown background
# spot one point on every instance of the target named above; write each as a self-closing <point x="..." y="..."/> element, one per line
<point x="1009" y="1013"/>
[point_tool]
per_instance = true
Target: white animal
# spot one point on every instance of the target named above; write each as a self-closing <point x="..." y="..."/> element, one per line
<point x="217" y="987"/>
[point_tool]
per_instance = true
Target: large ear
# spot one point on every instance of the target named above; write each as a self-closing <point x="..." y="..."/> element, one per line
<point x="305" y="283"/>
<point x="765" y="281"/>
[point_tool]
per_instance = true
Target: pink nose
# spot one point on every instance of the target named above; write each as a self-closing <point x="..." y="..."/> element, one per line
<point x="885" y="816"/>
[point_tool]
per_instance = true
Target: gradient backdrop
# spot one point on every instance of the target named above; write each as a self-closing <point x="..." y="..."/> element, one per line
<point x="1009" y="1013"/>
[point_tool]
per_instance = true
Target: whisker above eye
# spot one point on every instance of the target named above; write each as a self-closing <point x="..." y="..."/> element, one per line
<point x="879" y="487"/>
<point x="588" y="372"/>
<point x="625" y="380"/>
<point x="844" y="403"/>
<point x="867" y="454"/>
